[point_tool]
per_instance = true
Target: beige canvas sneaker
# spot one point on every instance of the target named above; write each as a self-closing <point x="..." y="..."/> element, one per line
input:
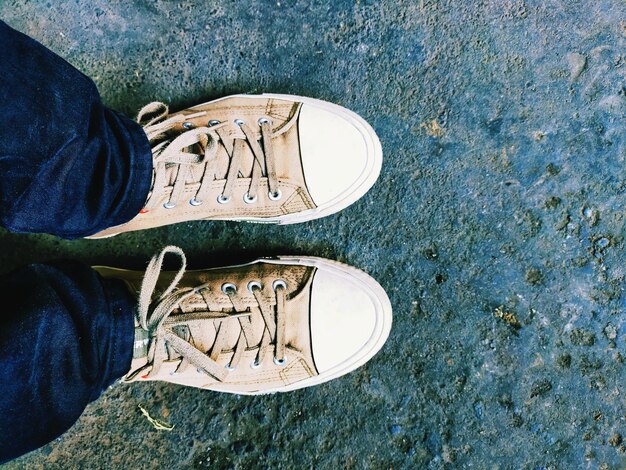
<point x="273" y="325"/>
<point x="256" y="158"/>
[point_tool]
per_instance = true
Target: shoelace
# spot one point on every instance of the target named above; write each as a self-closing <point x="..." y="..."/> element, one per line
<point x="154" y="317"/>
<point x="166" y="153"/>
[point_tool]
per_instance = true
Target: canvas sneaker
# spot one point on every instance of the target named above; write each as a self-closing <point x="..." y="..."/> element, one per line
<point x="257" y="158"/>
<point x="273" y="325"/>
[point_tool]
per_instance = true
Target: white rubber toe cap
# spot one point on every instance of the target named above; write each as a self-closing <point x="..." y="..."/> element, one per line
<point x="334" y="153"/>
<point x="350" y="318"/>
<point x="341" y="154"/>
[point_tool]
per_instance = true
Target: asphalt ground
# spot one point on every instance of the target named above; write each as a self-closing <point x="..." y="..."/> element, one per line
<point x="496" y="227"/>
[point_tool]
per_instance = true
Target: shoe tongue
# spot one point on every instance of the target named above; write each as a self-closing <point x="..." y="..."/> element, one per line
<point x="203" y="334"/>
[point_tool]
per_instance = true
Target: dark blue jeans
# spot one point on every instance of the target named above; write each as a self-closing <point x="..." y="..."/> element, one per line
<point x="69" y="167"/>
<point x="66" y="334"/>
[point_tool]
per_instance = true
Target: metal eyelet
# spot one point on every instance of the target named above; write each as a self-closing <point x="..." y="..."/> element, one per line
<point x="169" y="205"/>
<point x="264" y="120"/>
<point x="249" y="200"/>
<point x="229" y="368"/>
<point x="223" y="199"/>
<point x="213" y="122"/>
<point x="254" y="285"/>
<point x="279" y="283"/>
<point x="187" y="125"/>
<point x="229" y="287"/>
<point x="280" y="362"/>
<point x="255" y="365"/>
<point x="194" y="202"/>
<point x="239" y="122"/>
<point x="275" y="196"/>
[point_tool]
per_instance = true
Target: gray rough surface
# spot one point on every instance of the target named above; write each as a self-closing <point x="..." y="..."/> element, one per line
<point x="497" y="227"/>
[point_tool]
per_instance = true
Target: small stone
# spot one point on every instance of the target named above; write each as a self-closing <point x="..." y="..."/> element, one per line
<point x="615" y="439"/>
<point x="447" y="454"/>
<point x="563" y="221"/>
<point x="416" y="308"/>
<point x="591" y="214"/>
<point x="508" y="317"/>
<point x="577" y="63"/>
<point x="433" y="128"/>
<point x="540" y="387"/>
<point x="430" y="253"/>
<point x="598" y="382"/>
<point x="552" y="202"/>
<point x="564" y="361"/>
<point x="610" y="331"/>
<point x="602" y="243"/>
<point x="612" y="104"/>
<point x="534" y="276"/>
<point x="582" y="337"/>
<point x="478" y="409"/>
<point x="552" y="169"/>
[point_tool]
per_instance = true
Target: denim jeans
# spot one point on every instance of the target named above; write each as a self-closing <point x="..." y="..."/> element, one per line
<point x="66" y="334"/>
<point x="69" y="167"/>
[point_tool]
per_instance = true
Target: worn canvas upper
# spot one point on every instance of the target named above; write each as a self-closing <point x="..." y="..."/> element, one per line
<point x="189" y="320"/>
<point x="233" y="129"/>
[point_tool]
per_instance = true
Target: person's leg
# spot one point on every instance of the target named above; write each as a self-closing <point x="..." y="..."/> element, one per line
<point x="70" y="166"/>
<point x="66" y="334"/>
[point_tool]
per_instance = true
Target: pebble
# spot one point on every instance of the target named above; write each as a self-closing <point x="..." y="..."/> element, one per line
<point x="478" y="409"/>
<point x="577" y="63"/>
<point x="610" y="331"/>
<point x="602" y="243"/>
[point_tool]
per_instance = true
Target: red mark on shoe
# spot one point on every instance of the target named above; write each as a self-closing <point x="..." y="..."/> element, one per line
<point x="144" y="211"/>
<point x="144" y="376"/>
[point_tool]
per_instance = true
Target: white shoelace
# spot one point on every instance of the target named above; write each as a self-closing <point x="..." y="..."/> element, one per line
<point x="177" y="155"/>
<point x="157" y="317"/>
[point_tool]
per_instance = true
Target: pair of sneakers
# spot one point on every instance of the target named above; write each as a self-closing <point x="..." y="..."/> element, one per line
<point x="273" y="325"/>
